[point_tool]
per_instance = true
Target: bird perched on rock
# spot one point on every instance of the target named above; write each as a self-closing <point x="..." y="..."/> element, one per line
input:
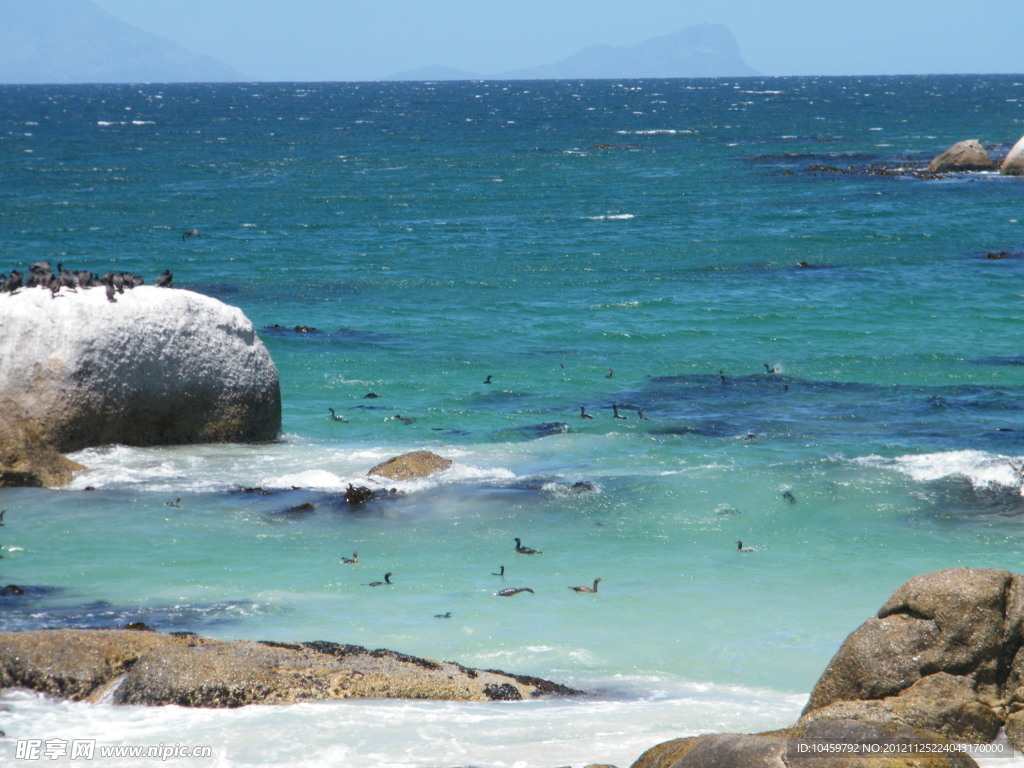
<point x="165" y="279"/>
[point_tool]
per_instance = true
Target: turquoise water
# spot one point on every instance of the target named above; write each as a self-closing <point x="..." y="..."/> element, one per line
<point x="544" y="234"/>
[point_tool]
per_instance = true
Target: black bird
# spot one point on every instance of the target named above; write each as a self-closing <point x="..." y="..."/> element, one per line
<point x="186" y="235"/>
<point x="403" y="419"/>
<point x="721" y="376"/>
<point x="370" y="396"/>
<point x="501" y="571"/>
<point x="770" y="368"/>
<point x="587" y="589"/>
<point x="4" y="511"/>
<point x="13" y="282"/>
<point x="488" y="379"/>
<point x="611" y="372"/>
<point x="176" y="504"/>
<point x="584" y="414"/>
<point x="526" y="550"/>
<point x="741" y="548"/>
<point x="510" y="591"/>
<point x="447" y="615"/>
<point x="336" y="417"/>
<point x="165" y="279"/>
<point x="387" y="581"/>
<point x="615" y="408"/>
<point x="788" y="496"/>
<point x="354" y="560"/>
<point x="640" y="415"/>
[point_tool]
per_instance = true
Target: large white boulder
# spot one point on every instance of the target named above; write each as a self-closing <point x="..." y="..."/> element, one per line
<point x="1013" y="163"/>
<point x="157" y="366"/>
<point x="966" y="155"/>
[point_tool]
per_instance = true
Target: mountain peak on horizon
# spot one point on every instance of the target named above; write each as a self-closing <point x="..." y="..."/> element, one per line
<point x="75" y="41"/>
<point x="702" y="50"/>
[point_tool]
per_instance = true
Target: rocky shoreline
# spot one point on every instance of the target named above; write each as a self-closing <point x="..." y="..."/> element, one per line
<point x="144" y="667"/>
<point x="940" y="665"/>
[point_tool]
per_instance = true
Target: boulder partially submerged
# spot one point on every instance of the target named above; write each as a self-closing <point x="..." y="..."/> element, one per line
<point x="411" y="466"/>
<point x="154" y="367"/>
<point x="966" y="155"/>
<point x="151" y="668"/>
<point x="1013" y="163"/>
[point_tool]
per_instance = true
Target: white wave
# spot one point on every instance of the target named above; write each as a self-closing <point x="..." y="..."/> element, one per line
<point x="981" y="469"/>
<point x="410" y="734"/>
<point x="293" y="462"/>
<point x="612" y="217"/>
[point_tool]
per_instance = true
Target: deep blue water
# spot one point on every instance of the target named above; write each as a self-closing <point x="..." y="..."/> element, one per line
<point x="854" y="419"/>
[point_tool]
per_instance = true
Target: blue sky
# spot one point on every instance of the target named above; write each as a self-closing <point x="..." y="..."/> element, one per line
<point x="369" y="39"/>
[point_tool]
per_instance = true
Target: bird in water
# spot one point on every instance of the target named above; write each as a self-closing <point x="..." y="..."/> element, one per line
<point x="500" y="571"/>
<point x="510" y="591"/>
<point x="584" y="414"/>
<point x="176" y="504"/>
<point x="721" y="376"/>
<point x="447" y="615"/>
<point x="354" y="560"/>
<point x="771" y="368"/>
<point x="611" y="372"/>
<point x="190" y="233"/>
<point x="403" y="419"/>
<point x="592" y="589"/>
<point x="788" y="496"/>
<point x="336" y="417"/>
<point x="387" y="581"/>
<point x="640" y="414"/>
<point x="615" y="409"/>
<point x="488" y="379"/>
<point x="4" y="512"/>
<point x="741" y="548"/>
<point x="526" y="550"/>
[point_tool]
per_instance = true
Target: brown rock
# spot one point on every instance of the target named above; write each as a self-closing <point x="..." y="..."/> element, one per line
<point x="72" y="664"/>
<point x="151" y="668"/>
<point x="26" y="459"/>
<point x="873" y="746"/>
<point x="963" y="156"/>
<point x="942" y="653"/>
<point x="411" y="466"/>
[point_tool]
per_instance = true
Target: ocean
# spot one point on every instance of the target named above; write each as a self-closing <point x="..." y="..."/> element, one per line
<point x="822" y="345"/>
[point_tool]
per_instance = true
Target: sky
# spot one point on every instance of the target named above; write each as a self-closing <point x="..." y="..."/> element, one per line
<point x="307" y="40"/>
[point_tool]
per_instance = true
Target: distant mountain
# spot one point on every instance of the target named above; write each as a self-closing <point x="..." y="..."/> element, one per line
<point x="74" y="41"/>
<point x="705" y="50"/>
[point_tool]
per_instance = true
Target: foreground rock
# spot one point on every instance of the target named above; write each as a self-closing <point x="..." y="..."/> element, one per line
<point x="1013" y="163"/>
<point x="963" y="156"/>
<point x="411" y="466"/>
<point x="865" y="744"/>
<point x="139" y="667"/>
<point x="944" y="653"/>
<point x="154" y="367"/>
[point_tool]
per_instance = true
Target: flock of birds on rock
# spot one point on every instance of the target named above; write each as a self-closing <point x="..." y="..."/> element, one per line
<point x="41" y="275"/>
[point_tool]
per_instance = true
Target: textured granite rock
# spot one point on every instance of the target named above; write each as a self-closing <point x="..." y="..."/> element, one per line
<point x="145" y="667"/>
